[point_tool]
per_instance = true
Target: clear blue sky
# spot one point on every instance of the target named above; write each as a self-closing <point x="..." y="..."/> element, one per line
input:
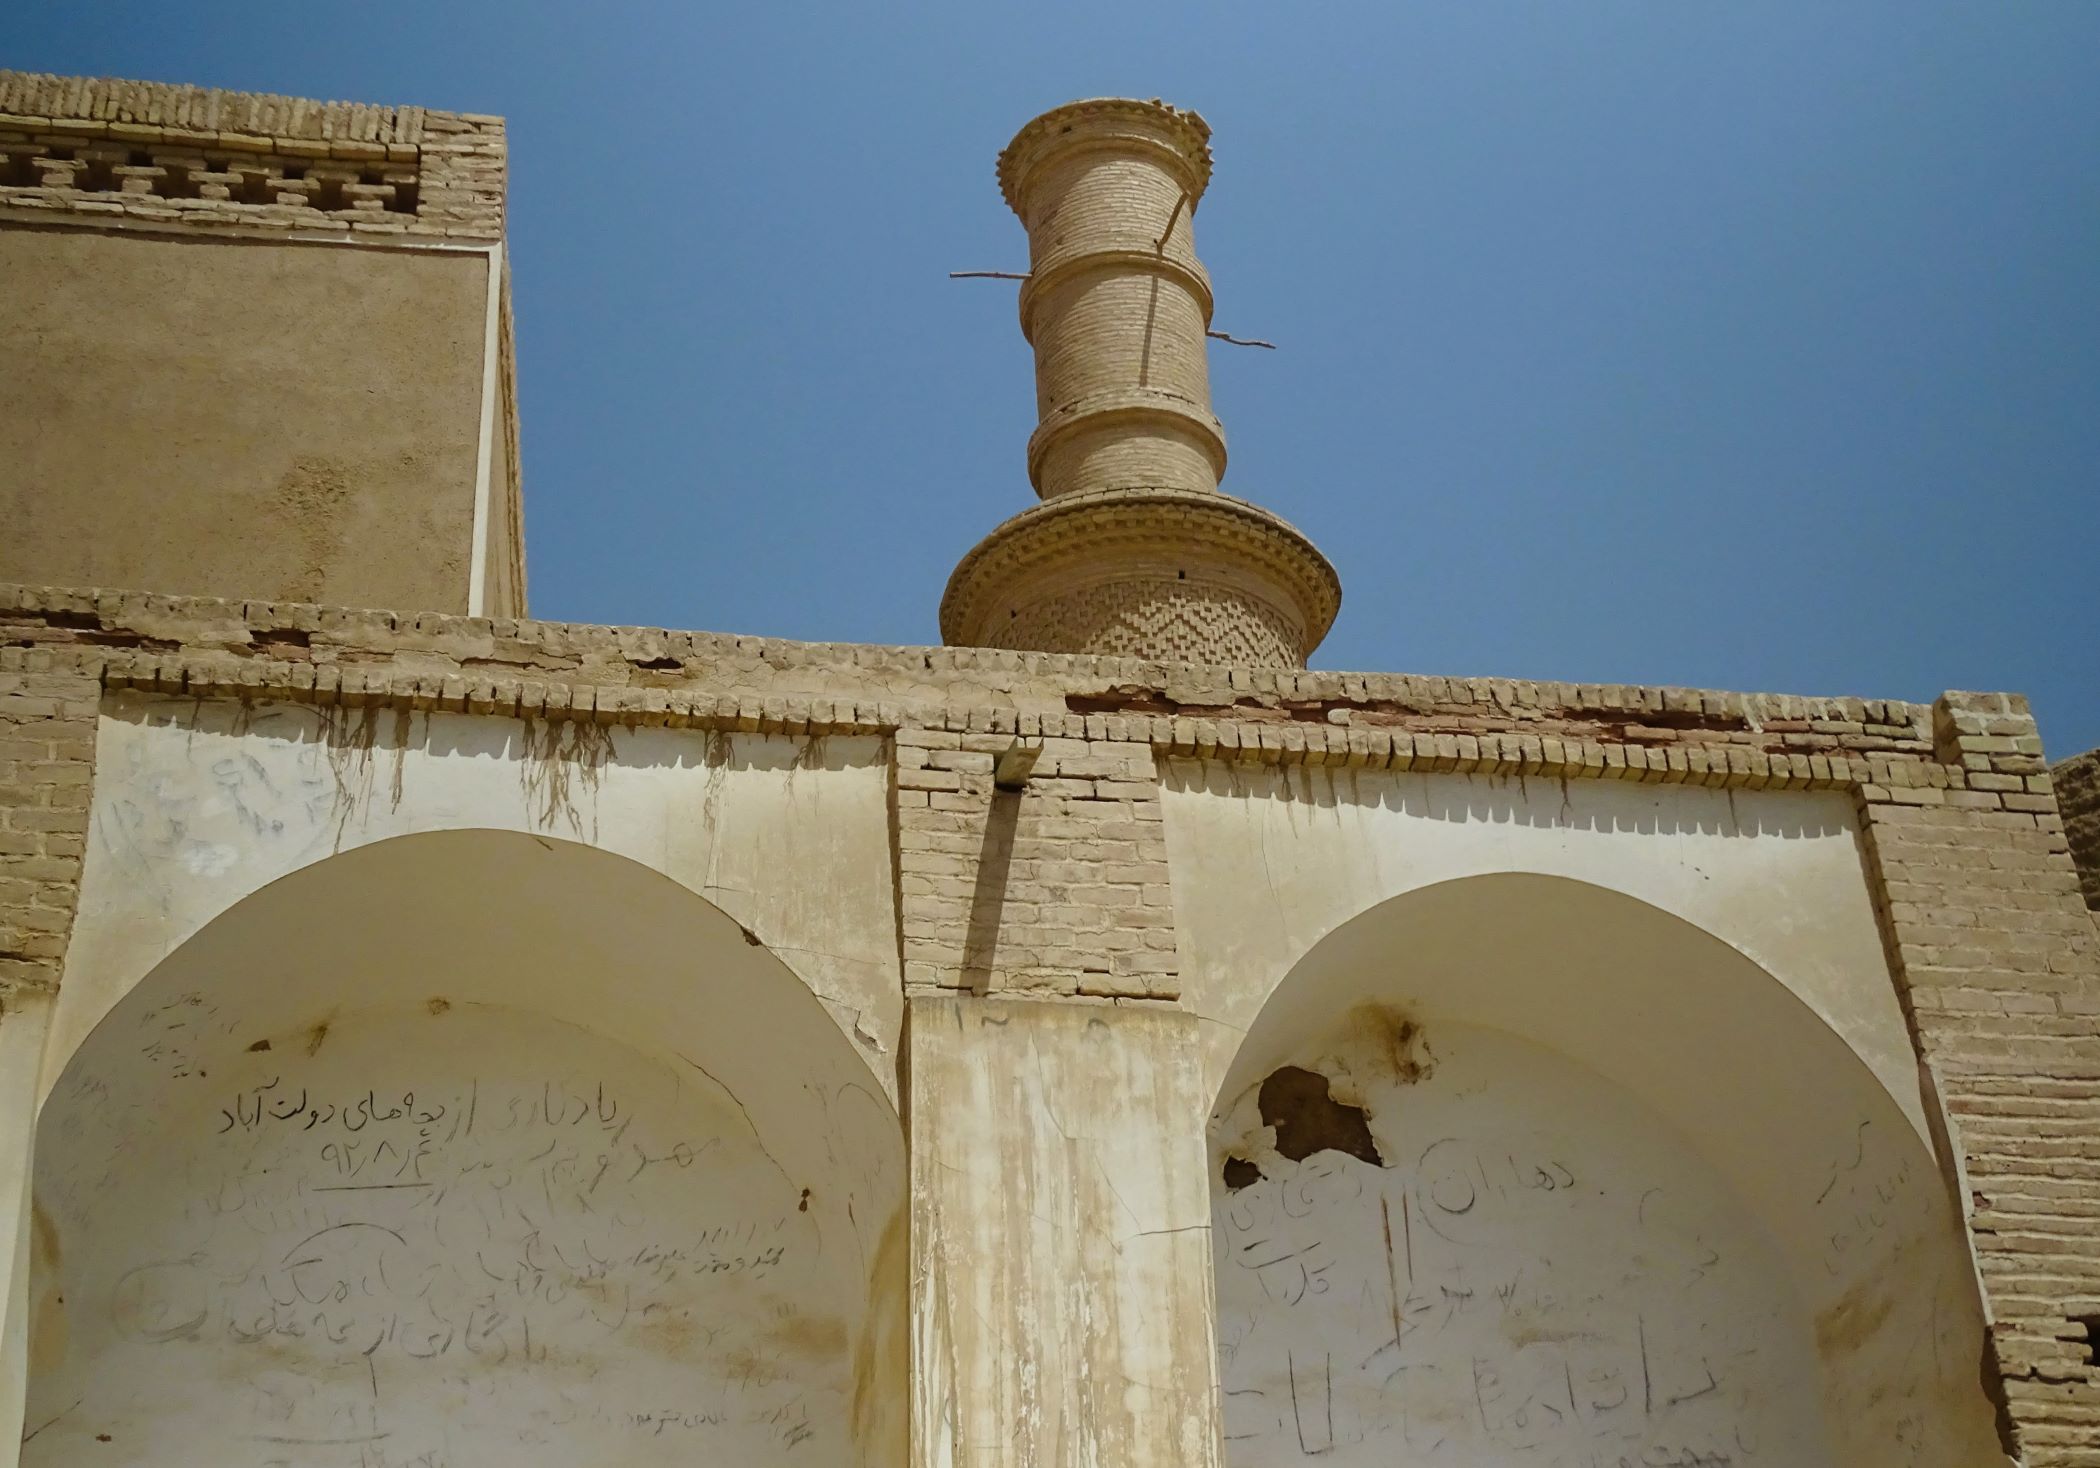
<point x="1748" y="346"/>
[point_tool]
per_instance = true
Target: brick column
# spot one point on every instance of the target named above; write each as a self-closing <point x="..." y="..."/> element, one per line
<point x="1058" y="888"/>
<point x="2000" y="966"/>
<point x="1060" y="1205"/>
<point x="48" y="706"/>
<point x="1060" y="1208"/>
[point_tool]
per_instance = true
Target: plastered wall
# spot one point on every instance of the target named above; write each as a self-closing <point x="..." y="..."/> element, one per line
<point x="396" y="1119"/>
<point x="243" y="418"/>
<point x="1693" y="974"/>
<point x="423" y="1236"/>
<point x="1269" y="861"/>
<point x="1423" y="987"/>
<point x="197" y="805"/>
<point x="1523" y="1265"/>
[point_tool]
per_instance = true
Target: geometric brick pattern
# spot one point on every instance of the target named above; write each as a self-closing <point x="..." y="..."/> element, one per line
<point x="1165" y="617"/>
<point x="154" y="153"/>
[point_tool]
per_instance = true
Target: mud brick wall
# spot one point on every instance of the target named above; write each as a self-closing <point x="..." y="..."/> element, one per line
<point x="1058" y="887"/>
<point x="155" y="154"/>
<point x="47" y="762"/>
<point x="2000" y="964"/>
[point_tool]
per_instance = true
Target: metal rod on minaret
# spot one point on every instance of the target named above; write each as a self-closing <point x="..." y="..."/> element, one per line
<point x="1116" y="304"/>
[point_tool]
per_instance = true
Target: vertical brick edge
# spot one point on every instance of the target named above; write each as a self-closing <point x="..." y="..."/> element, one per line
<point x="1998" y="965"/>
<point x="48" y="707"/>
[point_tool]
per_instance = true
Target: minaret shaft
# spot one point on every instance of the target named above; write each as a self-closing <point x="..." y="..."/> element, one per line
<point x="1117" y="304"/>
<point x="1133" y="551"/>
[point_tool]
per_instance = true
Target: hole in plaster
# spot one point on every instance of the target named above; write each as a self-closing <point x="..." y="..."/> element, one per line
<point x="1240" y="1173"/>
<point x="1308" y="1119"/>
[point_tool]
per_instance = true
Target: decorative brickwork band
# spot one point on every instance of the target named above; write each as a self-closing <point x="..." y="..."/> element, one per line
<point x="1156" y="573"/>
<point x="162" y="155"/>
<point x="1134" y="552"/>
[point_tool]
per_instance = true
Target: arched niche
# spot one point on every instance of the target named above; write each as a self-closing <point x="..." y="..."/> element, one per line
<point x="463" y="1148"/>
<point x="1516" y="1168"/>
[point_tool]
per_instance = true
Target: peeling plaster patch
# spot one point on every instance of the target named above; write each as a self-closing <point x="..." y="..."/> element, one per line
<point x="1300" y="1106"/>
<point x="1525" y="1263"/>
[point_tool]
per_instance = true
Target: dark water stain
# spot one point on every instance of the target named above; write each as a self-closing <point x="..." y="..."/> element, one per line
<point x="1400" y="1041"/>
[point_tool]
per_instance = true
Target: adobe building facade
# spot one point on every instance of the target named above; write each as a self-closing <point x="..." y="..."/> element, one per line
<point x="435" y="1037"/>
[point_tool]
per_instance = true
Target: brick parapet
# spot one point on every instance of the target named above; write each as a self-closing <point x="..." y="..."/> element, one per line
<point x="49" y="699"/>
<point x="212" y="648"/>
<point x="152" y="154"/>
<point x="1998" y="964"/>
<point x="1058" y="887"/>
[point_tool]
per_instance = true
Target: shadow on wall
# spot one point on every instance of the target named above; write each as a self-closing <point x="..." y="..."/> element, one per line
<point x="468" y="1146"/>
<point x="1582" y="805"/>
<point x="1518" y="1164"/>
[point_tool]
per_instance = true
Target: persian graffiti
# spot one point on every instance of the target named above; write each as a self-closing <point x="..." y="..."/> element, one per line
<point x="364" y="1249"/>
<point x="1513" y="1265"/>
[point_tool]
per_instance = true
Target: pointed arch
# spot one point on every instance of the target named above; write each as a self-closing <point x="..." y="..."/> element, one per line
<point x="464" y="1143"/>
<point x="1625" y="1153"/>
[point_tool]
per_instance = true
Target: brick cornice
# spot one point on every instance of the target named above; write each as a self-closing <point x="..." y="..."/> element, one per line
<point x="203" y="647"/>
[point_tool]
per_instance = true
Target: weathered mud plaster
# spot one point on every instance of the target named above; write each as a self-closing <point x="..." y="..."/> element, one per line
<point x="1061" y="1310"/>
<point x="554" y="1158"/>
<point x="1575" y="1048"/>
<point x="1268" y="861"/>
<point x="201" y="803"/>
<point x="1539" y="1266"/>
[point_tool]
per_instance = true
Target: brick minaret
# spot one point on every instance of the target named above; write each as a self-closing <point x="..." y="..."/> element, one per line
<point x="1134" y="551"/>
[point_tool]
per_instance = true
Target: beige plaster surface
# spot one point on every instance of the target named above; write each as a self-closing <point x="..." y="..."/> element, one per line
<point x="1059" y="1217"/>
<point x="240" y="419"/>
<point x="546" y="1163"/>
<point x="1267" y="862"/>
<point x="197" y="805"/>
